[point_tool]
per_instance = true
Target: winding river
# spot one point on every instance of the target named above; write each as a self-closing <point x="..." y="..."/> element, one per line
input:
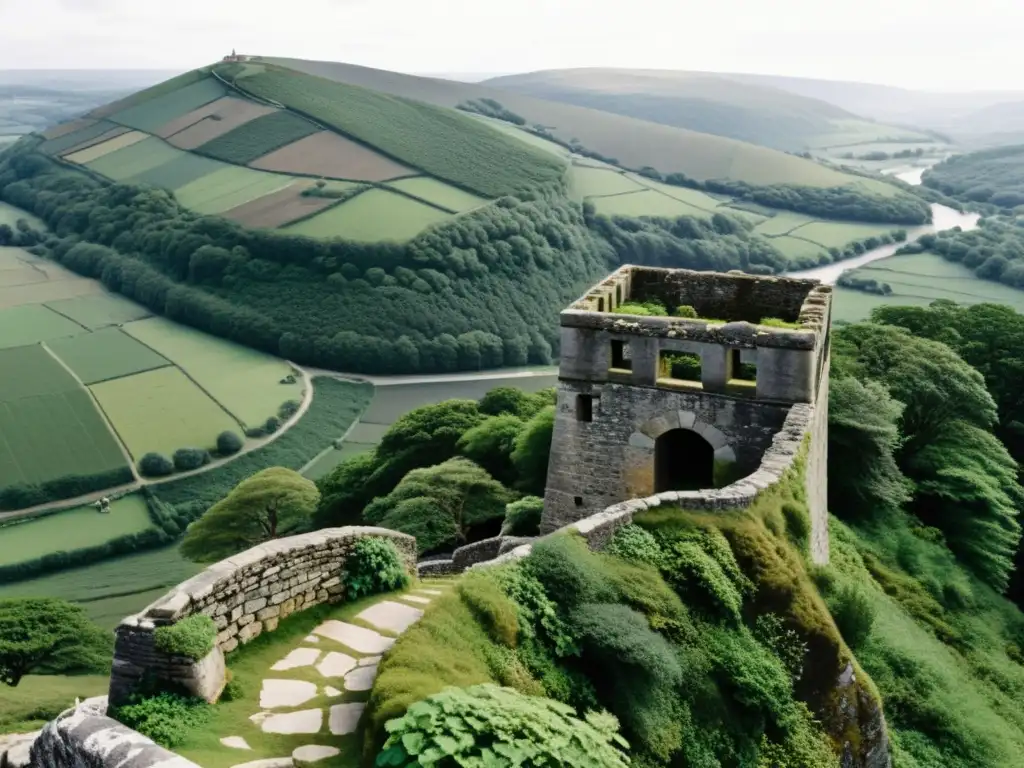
<point x="943" y="217"/>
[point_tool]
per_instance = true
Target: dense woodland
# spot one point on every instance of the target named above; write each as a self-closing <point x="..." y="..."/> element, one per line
<point x="430" y="303"/>
<point x="992" y="176"/>
<point x="995" y="250"/>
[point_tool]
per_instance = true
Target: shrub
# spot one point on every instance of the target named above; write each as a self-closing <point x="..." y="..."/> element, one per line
<point x="635" y="545"/>
<point x="271" y="425"/>
<point x="228" y="443"/>
<point x="784" y="642"/>
<point x="288" y="409"/>
<point x="166" y="718"/>
<point x="482" y="594"/>
<point x="373" y="566"/>
<point x="462" y="726"/>
<point x="192" y="637"/>
<point x="234" y="690"/>
<point x="685" y="310"/>
<point x="155" y="465"/>
<point x="186" y="459"/>
<point x="854" y="615"/>
<point x="522" y="518"/>
<point x="538" y="615"/>
<point x="570" y="572"/>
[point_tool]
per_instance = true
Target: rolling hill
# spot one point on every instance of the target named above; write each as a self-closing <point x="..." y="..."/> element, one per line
<point x="709" y="103"/>
<point x="352" y="219"/>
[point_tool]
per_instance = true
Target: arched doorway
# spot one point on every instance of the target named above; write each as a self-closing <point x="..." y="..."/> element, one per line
<point x="683" y="461"/>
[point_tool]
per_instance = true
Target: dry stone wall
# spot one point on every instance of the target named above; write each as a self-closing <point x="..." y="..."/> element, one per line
<point x="245" y="595"/>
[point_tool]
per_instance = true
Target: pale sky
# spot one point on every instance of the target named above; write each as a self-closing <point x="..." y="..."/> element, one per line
<point x="932" y="44"/>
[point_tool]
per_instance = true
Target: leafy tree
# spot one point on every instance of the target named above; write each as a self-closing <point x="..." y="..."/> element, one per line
<point x="522" y="517"/>
<point x="964" y="481"/>
<point x="228" y="443"/>
<point x="42" y="634"/>
<point x="532" y="450"/>
<point x="490" y="444"/>
<point x="273" y="503"/>
<point x="442" y="504"/>
<point x="863" y="436"/>
<point x="155" y="465"/>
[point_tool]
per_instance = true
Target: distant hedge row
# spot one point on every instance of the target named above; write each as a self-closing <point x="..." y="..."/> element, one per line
<point x="15" y="497"/>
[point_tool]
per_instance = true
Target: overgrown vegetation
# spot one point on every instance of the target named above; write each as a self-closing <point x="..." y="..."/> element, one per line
<point x="373" y="566"/>
<point x="166" y="718"/>
<point x="193" y="637"/>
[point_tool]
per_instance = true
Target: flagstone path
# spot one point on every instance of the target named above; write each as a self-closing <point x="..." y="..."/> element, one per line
<point x="338" y="660"/>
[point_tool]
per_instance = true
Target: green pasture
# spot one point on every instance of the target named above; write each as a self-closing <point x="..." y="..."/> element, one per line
<point x="40" y="698"/>
<point x="246" y="383"/>
<point x="646" y="203"/>
<point x="919" y="279"/>
<point x="439" y="193"/>
<point x="836" y="234"/>
<point x="178" y="171"/>
<point x="523" y="135"/>
<point x="108" y="353"/>
<point x="255" y="138"/>
<point x="135" y="159"/>
<point x="585" y="182"/>
<point x="49" y="427"/>
<point x="801" y="252"/>
<point x="32" y="323"/>
<point x="228" y="188"/>
<point x="68" y="140"/>
<point x="373" y="216"/>
<point x="782" y="223"/>
<point x="112" y="589"/>
<point x="694" y="197"/>
<point x="161" y="411"/>
<point x="72" y="529"/>
<point x="152" y="113"/>
<point x="9" y="215"/>
<point x="100" y="310"/>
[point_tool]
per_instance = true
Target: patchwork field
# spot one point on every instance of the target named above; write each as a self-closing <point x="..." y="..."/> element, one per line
<point x="100" y="310"/>
<point x="246" y="383"/>
<point x="105" y="136"/>
<point x="72" y="529"/>
<point x="153" y="113"/>
<point x="836" y="234"/>
<point x="279" y="208"/>
<point x="255" y="138"/>
<point x="782" y="223"/>
<point x="920" y="279"/>
<point x="32" y="323"/>
<point x="141" y="156"/>
<point x="161" y="411"/>
<point x="229" y="188"/>
<point x="439" y="193"/>
<point x="588" y="182"/>
<point x="332" y="156"/>
<point x="86" y="130"/>
<point x="108" y="353"/>
<point x="371" y="217"/>
<point x="102" y="148"/>
<point x="49" y="427"/>
<point x="801" y="252"/>
<point x="63" y="129"/>
<point x="180" y="170"/>
<point x="112" y="589"/>
<point x="210" y="121"/>
<point x="645" y="203"/>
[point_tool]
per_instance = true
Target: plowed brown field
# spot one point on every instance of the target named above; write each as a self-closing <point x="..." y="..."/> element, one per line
<point x="210" y="121"/>
<point x="332" y="156"/>
<point x="277" y="208"/>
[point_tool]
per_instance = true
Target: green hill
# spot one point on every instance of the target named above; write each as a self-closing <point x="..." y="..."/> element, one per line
<point x="357" y="221"/>
<point x="709" y="103"/>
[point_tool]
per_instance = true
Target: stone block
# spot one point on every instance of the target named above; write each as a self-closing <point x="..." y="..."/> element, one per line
<point x="254" y="605"/>
<point x="206" y="677"/>
<point x="250" y="631"/>
<point x="279" y="598"/>
<point x="246" y="620"/>
<point x="270" y="612"/>
<point x="270" y="624"/>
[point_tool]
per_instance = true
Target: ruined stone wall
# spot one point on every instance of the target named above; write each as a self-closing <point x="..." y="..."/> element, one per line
<point x="83" y="737"/>
<point x="245" y="595"/>
<point x="611" y="458"/>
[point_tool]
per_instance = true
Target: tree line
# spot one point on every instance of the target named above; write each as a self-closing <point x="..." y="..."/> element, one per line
<point x="992" y="176"/>
<point x="994" y="251"/>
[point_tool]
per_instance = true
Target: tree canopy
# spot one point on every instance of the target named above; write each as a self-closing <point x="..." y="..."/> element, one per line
<point x="49" y="635"/>
<point x="273" y="503"/>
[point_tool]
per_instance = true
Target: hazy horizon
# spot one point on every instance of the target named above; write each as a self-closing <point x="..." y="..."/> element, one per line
<point x="904" y="43"/>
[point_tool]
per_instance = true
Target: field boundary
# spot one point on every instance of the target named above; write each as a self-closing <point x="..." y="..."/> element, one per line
<point x="96" y="404"/>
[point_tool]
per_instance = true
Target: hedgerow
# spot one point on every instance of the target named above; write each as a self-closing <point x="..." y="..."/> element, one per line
<point x="373" y="566"/>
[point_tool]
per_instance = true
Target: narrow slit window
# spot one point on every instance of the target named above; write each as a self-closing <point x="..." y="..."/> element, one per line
<point x="577" y="500"/>
<point x="600" y="303"/>
<point x="620" y="355"/>
<point x="584" y="407"/>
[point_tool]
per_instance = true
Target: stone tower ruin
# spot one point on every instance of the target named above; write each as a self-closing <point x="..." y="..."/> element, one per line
<point x="658" y="404"/>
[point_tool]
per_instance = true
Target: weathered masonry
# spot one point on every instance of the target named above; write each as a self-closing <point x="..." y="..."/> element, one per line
<point x="651" y="404"/>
